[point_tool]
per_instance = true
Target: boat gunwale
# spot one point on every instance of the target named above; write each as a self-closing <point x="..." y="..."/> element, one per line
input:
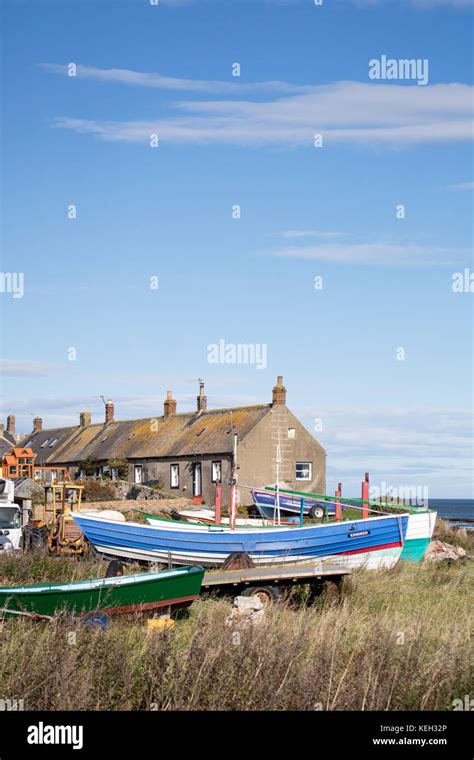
<point x="96" y="584"/>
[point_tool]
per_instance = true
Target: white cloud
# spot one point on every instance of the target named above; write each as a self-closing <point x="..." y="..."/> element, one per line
<point x="428" y="447"/>
<point x="368" y="113"/>
<point x="27" y="368"/>
<point x="391" y="254"/>
<point x="158" y="81"/>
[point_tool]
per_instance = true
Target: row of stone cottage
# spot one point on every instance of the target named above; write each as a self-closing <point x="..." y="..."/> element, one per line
<point x="189" y="452"/>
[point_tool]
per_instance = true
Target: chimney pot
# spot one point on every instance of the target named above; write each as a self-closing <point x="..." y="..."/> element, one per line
<point x="279" y="392"/>
<point x="169" y="405"/>
<point x="85" y="419"/>
<point x="37" y="424"/>
<point x="109" y="411"/>
<point x="11" y="424"/>
<point x="202" y="398"/>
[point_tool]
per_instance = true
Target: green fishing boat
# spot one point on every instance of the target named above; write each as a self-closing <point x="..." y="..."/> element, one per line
<point x="119" y="594"/>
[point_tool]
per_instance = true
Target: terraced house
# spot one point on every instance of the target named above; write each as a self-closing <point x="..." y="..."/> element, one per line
<point x="190" y="452"/>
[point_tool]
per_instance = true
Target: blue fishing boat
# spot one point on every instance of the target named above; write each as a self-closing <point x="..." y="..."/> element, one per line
<point x="373" y="542"/>
<point x="290" y="504"/>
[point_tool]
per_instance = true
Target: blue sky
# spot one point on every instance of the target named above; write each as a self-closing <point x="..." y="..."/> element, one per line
<point x="306" y="212"/>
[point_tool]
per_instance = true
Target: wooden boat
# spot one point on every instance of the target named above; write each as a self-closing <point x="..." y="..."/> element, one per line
<point x="421" y="522"/>
<point x="125" y="593"/>
<point x="373" y="542"/>
<point x="208" y="517"/>
<point x="420" y="529"/>
<point x="265" y="501"/>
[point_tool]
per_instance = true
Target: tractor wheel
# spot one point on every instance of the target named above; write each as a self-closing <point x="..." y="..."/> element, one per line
<point x="266" y="594"/>
<point x="33" y="538"/>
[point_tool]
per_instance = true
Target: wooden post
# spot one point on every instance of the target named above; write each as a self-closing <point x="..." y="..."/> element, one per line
<point x="218" y="503"/>
<point x="338" y="503"/>
<point x="365" y="496"/>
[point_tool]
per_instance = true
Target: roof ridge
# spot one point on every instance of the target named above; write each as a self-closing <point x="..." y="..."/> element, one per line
<point x="194" y="413"/>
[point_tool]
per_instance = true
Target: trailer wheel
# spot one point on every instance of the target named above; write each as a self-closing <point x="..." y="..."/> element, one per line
<point x="316" y="512"/>
<point x="331" y="592"/>
<point x="96" y="620"/>
<point x="114" y="568"/>
<point x="266" y="594"/>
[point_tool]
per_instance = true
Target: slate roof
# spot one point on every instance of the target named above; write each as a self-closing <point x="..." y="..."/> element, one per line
<point x="189" y="434"/>
<point x="7" y="442"/>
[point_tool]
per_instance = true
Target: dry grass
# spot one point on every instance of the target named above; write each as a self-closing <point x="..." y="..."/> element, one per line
<point x="399" y="640"/>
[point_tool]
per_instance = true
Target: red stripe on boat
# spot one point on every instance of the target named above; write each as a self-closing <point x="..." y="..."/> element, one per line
<point x="374" y="548"/>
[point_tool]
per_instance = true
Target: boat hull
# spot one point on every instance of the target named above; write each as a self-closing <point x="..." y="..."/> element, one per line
<point x="419" y="531"/>
<point x="265" y="502"/>
<point x="363" y="541"/>
<point x="126" y="593"/>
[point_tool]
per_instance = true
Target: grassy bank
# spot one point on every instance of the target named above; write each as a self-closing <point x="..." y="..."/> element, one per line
<point x="399" y="640"/>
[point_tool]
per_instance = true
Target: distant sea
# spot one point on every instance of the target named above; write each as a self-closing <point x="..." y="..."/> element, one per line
<point x="458" y="512"/>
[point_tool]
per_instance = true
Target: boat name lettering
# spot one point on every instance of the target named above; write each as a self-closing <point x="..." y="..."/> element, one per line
<point x="359" y="533"/>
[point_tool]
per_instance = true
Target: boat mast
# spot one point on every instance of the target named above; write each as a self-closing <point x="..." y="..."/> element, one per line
<point x="277" y="486"/>
<point x="233" y="486"/>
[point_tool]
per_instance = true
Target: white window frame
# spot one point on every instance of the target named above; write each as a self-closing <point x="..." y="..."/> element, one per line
<point x="304" y="464"/>
<point x="216" y="478"/>
<point x="138" y="467"/>
<point x="174" y="475"/>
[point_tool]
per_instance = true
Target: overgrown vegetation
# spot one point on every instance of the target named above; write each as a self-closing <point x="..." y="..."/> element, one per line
<point x="398" y="640"/>
<point x="120" y="466"/>
<point x="99" y="490"/>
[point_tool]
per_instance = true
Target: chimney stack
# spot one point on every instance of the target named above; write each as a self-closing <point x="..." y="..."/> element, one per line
<point x="37" y="424"/>
<point x="85" y="419"/>
<point x="109" y="412"/>
<point x="201" y="399"/>
<point x="279" y="392"/>
<point x="169" y="405"/>
<point x="11" y="425"/>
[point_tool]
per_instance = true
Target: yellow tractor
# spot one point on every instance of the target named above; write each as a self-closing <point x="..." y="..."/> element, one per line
<point x="60" y="533"/>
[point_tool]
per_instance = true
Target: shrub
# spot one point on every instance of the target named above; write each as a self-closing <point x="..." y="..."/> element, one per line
<point x="121" y="465"/>
<point x="96" y="490"/>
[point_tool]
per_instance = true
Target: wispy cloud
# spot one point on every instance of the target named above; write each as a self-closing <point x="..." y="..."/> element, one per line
<point x="422" y="4"/>
<point x="354" y="112"/>
<point x="386" y="254"/>
<point x="27" y="368"/>
<point x="400" y="446"/>
<point x="158" y="81"/>
<point x="291" y="234"/>
<point x="462" y="186"/>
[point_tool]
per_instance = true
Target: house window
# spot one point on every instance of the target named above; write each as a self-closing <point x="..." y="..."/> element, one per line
<point x="44" y="443"/>
<point x="53" y="443"/>
<point x="12" y="470"/>
<point x="303" y="470"/>
<point x="216" y="472"/>
<point x="138" y="473"/>
<point x="291" y="432"/>
<point x="174" y="475"/>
